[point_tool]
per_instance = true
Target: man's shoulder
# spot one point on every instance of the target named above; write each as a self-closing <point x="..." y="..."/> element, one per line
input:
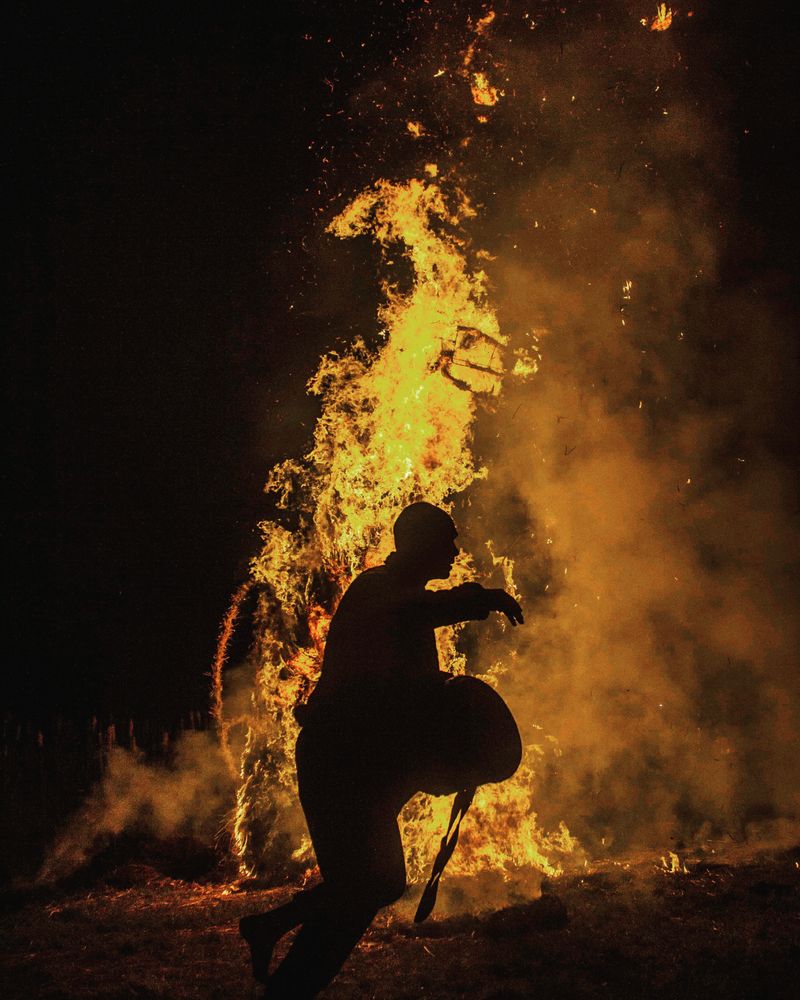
<point x="380" y="589"/>
<point x="372" y="580"/>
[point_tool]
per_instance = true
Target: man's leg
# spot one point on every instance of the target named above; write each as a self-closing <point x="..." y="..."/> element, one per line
<point x="320" y="949"/>
<point x="367" y="874"/>
<point x="352" y="820"/>
<point x="262" y="931"/>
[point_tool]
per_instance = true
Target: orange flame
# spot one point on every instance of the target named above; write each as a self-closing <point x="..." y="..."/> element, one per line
<point x="220" y="657"/>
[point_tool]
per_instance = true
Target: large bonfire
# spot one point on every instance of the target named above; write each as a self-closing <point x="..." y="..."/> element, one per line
<point x="395" y="427"/>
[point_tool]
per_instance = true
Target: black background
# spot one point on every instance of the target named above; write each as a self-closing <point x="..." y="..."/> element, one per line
<point x="165" y="162"/>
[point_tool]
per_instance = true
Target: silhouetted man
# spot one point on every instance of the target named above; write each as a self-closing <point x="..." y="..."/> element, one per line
<point x="366" y="746"/>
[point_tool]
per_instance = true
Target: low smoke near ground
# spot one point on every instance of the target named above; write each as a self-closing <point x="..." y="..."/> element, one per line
<point x="190" y="797"/>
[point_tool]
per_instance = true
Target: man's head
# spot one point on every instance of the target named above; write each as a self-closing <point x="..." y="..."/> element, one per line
<point x="424" y="537"/>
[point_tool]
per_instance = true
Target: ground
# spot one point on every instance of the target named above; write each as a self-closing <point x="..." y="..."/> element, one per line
<point x="628" y="930"/>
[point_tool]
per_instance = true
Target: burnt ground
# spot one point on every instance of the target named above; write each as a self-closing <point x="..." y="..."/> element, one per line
<point x="619" y="930"/>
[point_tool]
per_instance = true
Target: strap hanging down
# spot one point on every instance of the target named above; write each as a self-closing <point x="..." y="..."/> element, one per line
<point x="461" y="803"/>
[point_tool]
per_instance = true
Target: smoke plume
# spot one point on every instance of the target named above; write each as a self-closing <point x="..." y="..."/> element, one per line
<point x="640" y="481"/>
<point x="190" y="797"/>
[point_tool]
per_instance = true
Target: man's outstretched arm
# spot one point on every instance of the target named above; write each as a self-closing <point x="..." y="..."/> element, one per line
<point x="469" y="602"/>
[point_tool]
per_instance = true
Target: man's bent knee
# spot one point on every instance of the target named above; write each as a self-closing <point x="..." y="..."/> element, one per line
<point x="378" y="892"/>
<point x="389" y="890"/>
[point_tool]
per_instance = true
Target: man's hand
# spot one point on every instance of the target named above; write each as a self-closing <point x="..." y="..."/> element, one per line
<point x="501" y="601"/>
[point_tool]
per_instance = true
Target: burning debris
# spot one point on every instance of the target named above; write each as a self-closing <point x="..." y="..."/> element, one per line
<point x="663" y="18"/>
<point x="483" y="92"/>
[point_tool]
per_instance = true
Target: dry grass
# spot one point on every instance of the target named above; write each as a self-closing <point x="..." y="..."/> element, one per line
<point x="629" y="931"/>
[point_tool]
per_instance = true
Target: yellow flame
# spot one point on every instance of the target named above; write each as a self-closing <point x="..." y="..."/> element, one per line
<point x="672" y="863"/>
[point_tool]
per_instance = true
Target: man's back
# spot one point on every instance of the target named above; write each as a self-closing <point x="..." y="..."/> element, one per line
<point x="380" y="651"/>
<point x="380" y="654"/>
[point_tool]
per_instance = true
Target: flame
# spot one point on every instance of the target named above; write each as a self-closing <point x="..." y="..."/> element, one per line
<point x="481" y="28"/>
<point x="395" y="426"/>
<point x="221" y="655"/>
<point x="671" y="862"/>
<point x="663" y="18"/>
<point x="483" y="92"/>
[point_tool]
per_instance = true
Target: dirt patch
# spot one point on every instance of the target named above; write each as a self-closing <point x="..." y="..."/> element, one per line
<point x="621" y="930"/>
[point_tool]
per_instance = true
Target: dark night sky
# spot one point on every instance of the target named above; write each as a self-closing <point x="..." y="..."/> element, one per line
<point x="161" y="182"/>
